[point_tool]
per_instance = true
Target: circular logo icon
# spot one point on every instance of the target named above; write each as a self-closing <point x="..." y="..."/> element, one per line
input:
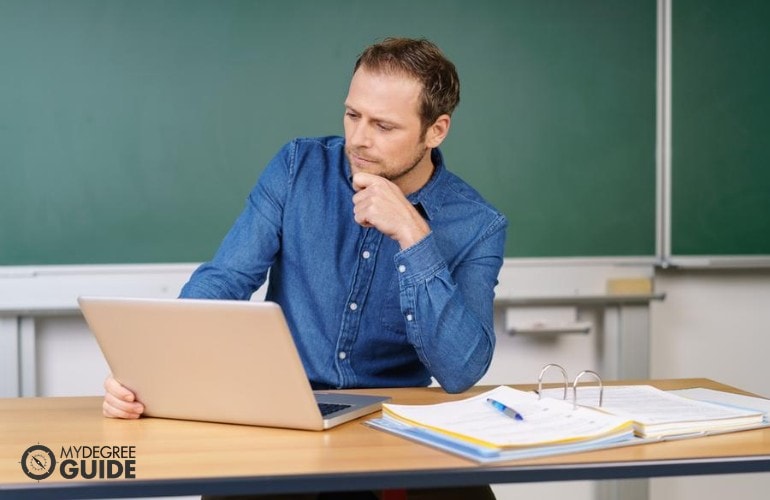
<point x="38" y="462"/>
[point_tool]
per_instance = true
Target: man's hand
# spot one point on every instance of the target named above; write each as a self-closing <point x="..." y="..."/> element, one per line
<point x="119" y="402"/>
<point x="380" y="203"/>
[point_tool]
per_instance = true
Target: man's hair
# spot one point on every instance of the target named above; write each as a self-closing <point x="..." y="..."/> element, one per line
<point x="422" y="60"/>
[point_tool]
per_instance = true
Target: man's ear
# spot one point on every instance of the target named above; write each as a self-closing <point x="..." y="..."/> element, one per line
<point x="438" y="131"/>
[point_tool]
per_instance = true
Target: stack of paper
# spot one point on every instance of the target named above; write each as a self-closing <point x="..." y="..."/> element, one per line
<point x="730" y="399"/>
<point x="629" y="415"/>
<point x="474" y="428"/>
<point x="661" y="414"/>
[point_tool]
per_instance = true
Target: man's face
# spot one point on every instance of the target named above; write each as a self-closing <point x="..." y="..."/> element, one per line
<point x="383" y="131"/>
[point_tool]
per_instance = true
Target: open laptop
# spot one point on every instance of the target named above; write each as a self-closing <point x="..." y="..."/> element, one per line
<point x="215" y="360"/>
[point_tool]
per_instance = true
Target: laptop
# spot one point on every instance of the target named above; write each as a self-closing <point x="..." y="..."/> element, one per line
<point x="216" y="361"/>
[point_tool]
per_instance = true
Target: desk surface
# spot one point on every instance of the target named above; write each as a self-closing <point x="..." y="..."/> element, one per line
<point x="189" y="458"/>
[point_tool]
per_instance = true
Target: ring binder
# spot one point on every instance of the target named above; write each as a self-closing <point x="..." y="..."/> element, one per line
<point x="566" y="383"/>
<point x="575" y="385"/>
<point x="630" y="415"/>
<point x="542" y="373"/>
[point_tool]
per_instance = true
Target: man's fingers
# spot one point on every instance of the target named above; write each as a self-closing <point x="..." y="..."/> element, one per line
<point x="362" y="180"/>
<point x="360" y="216"/>
<point x="117" y="408"/>
<point x="120" y="402"/>
<point x="112" y="386"/>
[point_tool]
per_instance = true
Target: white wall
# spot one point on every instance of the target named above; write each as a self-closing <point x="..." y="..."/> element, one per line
<point x="713" y="324"/>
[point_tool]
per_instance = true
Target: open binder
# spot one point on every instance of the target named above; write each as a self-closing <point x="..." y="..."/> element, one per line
<point x="552" y="423"/>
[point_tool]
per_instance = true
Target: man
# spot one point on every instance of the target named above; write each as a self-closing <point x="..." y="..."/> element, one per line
<point x="384" y="262"/>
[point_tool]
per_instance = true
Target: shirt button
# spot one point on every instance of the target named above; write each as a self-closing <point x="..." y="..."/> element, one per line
<point x="366" y="254"/>
<point x="342" y="355"/>
<point x="409" y="317"/>
<point x="353" y="306"/>
<point x="401" y="268"/>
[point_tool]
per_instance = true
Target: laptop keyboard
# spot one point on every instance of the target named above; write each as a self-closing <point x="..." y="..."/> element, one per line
<point x="327" y="408"/>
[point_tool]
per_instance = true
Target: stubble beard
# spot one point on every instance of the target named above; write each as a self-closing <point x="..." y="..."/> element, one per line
<point x="393" y="175"/>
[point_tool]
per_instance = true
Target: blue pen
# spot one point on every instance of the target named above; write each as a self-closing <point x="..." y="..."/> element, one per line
<point x="506" y="410"/>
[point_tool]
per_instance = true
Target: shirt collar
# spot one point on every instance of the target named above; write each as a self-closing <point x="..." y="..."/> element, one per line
<point x="427" y="199"/>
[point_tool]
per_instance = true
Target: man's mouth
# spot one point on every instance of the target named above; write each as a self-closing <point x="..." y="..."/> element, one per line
<point x="358" y="159"/>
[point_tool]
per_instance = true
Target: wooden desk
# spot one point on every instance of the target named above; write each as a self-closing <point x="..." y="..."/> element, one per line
<point x="190" y="458"/>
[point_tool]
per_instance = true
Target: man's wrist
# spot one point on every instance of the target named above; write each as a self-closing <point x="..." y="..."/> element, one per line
<point x="413" y="234"/>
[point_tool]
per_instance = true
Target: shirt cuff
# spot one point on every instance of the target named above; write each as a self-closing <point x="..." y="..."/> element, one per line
<point x="420" y="261"/>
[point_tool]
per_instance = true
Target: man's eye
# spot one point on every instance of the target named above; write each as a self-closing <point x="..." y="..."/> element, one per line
<point x="384" y="128"/>
<point x="350" y="114"/>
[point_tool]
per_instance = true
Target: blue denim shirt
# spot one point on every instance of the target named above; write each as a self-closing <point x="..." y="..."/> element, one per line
<point x="363" y="312"/>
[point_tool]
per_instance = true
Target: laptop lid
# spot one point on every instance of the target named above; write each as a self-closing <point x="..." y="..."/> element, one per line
<point x="213" y="360"/>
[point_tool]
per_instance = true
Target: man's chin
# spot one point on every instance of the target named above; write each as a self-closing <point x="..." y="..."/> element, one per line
<point x="366" y="167"/>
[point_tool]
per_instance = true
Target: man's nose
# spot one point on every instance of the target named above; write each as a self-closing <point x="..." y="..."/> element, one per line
<point x="360" y="135"/>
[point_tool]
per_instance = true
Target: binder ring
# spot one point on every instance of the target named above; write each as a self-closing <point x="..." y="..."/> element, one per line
<point x="542" y="373"/>
<point x="575" y="384"/>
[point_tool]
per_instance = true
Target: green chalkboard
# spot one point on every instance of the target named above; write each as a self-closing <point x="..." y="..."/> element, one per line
<point x="131" y="131"/>
<point x="720" y="158"/>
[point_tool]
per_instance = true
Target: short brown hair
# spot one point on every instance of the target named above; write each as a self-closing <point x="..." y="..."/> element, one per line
<point x="424" y="61"/>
